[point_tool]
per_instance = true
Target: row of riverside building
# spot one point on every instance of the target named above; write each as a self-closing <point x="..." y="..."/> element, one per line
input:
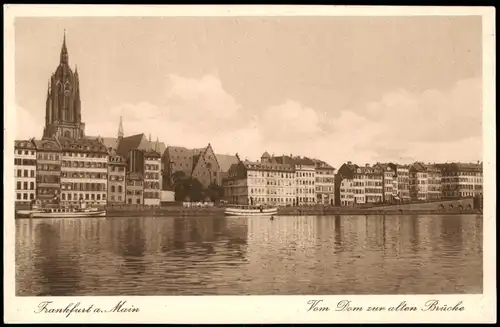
<point x="65" y="171"/>
<point x="66" y="167"/>
<point x="298" y="181"/>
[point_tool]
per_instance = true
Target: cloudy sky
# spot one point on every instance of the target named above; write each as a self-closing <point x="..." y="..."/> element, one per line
<point x="363" y="89"/>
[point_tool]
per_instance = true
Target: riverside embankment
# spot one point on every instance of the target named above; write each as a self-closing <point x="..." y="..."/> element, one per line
<point x="452" y="207"/>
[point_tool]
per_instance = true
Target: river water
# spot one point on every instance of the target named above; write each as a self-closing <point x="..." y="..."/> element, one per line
<point x="253" y="256"/>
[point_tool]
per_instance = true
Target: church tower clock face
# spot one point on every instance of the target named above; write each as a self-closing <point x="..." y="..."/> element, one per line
<point x="67" y="88"/>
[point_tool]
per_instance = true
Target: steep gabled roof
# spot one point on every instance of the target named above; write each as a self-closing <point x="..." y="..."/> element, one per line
<point x="418" y="167"/>
<point x="128" y="143"/>
<point x="226" y="161"/>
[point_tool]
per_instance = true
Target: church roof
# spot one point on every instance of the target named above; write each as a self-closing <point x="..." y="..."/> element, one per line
<point x="128" y="143"/>
<point x="138" y="141"/>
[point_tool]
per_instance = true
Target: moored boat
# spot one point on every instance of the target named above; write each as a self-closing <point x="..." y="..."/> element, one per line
<point x="250" y="211"/>
<point x="61" y="212"/>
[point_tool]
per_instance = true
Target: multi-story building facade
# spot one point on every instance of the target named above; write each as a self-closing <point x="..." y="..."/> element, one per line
<point x="116" y="180"/>
<point x="48" y="172"/>
<point x="25" y="171"/>
<point x="461" y="180"/>
<point x="359" y="185"/>
<point x="374" y="188"/>
<point x="260" y="183"/>
<point x="134" y="188"/>
<point x="152" y="178"/>
<point x="402" y="180"/>
<point x="418" y="182"/>
<point x="389" y="182"/>
<point x="434" y="189"/>
<point x="346" y="193"/>
<point x="325" y="183"/>
<point x="84" y="172"/>
<point x="349" y="185"/>
<point x="305" y="180"/>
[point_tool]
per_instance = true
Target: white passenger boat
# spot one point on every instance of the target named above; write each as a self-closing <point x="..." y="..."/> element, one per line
<point x="238" y="210"/>
<point x="80" y="212"/>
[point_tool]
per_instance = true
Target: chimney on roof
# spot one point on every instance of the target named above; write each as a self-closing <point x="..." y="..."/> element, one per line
<point x="367" y="165"/>
<point x="349" y="163"/>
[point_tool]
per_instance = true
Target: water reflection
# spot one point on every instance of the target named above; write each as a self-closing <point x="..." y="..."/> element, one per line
<point x="58" y="268"/>
<point x="219" y="255"/>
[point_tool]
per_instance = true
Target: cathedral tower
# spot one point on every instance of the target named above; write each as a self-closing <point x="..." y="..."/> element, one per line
<point x="63" y="106"/>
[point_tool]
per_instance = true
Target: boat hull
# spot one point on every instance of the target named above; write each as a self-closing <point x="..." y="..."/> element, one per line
<point x="41" y="214"/>
<point x="251" y="212"/>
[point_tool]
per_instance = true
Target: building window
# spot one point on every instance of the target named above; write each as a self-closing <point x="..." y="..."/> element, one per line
<point x="32" y="185"/>
<point x="86" y="196"/>
<point x="129" y="201"/>
<point x="138" y="201"/>
<point x="25" y="184"/>
<point x="120" y="190"/>
<point x="32" y="196"/>
<point x="25" y="196"/>
<point x="98" y="197"/>
<point x="19" y="173"/>
<point x="19" y="196"/>
<point x="18" y="185"/>
<point x="63" y="197"/>
<point x="112" y="188"/>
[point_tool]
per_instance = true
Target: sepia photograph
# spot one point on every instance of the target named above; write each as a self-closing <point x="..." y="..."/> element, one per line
<point x="249" y="155"/>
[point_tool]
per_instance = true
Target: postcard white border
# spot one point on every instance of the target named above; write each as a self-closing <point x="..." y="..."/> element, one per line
<point x="252" y="309"/>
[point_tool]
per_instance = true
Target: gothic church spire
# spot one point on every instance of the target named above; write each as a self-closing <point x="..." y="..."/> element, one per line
<point x="64" y="51"/>
<point x="120" y="129"/>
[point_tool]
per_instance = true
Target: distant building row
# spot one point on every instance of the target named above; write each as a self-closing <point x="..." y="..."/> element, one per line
<point x="389" y="183"/>
<point x="291" y="181"/>
<point x="281" y="181"/>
